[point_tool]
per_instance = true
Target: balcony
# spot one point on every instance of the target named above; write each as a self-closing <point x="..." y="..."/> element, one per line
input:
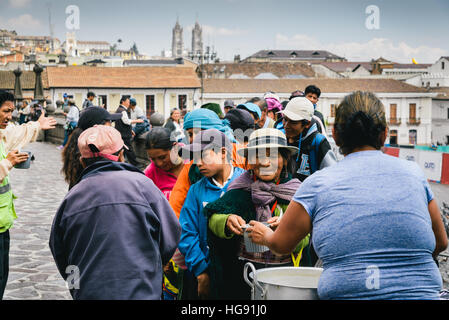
<point x="394" y="121"/>
<point x="414" y="121"/>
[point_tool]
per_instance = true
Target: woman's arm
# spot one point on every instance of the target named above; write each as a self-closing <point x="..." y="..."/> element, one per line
<point x="438" y="228"/>
<point x="295" y="225"/>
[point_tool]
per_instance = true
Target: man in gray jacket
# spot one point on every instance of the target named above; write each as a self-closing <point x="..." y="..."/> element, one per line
<point x="115" y="229"/>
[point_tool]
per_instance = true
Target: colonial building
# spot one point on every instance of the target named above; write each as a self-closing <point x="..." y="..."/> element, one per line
<point x="258" y="70"/>
<point x="408" y="108"/>
<point x="293" y="56"/>
<point x="74" y="47"/>
<point x="379" y="68"/>
<point x="156" y="89"/>
<point x="437" y="75"/>
<point x="440" y="116"/>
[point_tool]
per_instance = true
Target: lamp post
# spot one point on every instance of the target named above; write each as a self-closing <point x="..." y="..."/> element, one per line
<point x="38" y="87"/>
<point x="18" y="86"/>
<point x="200" y="56"/>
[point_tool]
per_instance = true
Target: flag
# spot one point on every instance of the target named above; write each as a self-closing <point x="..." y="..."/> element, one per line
<point x="414" y="61"/>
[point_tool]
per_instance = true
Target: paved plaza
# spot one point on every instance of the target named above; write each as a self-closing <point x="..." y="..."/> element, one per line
<point x="40" y="190"/>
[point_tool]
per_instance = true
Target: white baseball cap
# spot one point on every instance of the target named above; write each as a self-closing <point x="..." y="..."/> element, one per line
<point x="299" y="108"/>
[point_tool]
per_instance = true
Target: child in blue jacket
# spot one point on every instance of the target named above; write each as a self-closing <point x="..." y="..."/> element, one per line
<point x="211" y="151"/>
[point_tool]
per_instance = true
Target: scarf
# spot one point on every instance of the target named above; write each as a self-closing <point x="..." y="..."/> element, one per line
<point x="265" y="193"/>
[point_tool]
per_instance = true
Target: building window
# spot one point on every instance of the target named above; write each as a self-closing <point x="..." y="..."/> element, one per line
<point x="448" y="113"/>
<point x="182" y="101"/>
<point x="412" y="111"/>
<point x="393" y="137"/>
<point x="442" y="65"/>
<point x="149" y="104"/>
<point x="412" y="135"/>
<point x="393" y="112"/>
<point x="103" y="101"/>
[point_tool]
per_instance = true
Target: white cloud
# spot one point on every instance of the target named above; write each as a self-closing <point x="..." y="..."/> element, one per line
<point x="19" y="3"/>
<point x="24" y="22"/>
<point x="364" y="51"/>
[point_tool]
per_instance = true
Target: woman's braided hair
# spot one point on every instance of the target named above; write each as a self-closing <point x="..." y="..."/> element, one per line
<point x="359" y="121"/>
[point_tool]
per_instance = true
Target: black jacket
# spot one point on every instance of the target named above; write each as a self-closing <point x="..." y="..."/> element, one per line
<point x="124" y="129"/>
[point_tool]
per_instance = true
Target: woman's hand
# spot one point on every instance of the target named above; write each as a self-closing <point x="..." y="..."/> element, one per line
<point x="234" y="224"/>
<point x="258" y="232"/>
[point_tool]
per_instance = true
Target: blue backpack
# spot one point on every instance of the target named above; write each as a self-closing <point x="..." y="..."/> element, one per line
<point x="314" y="151"/>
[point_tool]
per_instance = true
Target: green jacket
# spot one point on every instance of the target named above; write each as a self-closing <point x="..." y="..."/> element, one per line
<point x="225" y="268"/>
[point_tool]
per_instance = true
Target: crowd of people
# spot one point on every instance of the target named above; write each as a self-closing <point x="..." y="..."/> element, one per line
<point x="265" y="168"/>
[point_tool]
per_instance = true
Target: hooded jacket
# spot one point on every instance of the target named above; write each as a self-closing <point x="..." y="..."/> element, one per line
<point x="193" y="244"/>
<point x="117" y="229"/>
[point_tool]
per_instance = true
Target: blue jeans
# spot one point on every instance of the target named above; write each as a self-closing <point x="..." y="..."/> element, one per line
<point x="68" y="131"/>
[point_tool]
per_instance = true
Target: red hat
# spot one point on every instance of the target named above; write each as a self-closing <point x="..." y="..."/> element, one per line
<point x="100" y="141"/>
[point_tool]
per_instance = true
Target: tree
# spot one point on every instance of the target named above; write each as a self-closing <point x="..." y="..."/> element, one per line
<point x="113" y="49"/>
<point x="134" y="49"/>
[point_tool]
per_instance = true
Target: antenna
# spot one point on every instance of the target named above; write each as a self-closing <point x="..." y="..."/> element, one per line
<point x="50" y="26"/>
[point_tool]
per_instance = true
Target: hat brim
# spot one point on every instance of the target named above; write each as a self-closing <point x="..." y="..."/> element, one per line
<point x="242" y="152"/>
<point x="291" y="115"/>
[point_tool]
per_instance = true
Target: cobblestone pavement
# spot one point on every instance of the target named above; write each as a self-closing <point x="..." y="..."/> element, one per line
<point x="40" y="190"/>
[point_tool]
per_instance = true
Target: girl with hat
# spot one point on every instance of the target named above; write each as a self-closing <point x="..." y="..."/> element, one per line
<point x="262" y="194"/>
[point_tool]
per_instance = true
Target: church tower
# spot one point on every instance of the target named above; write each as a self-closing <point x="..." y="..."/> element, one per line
<point x="177" y="41"/>
<point x="197" y="40"/>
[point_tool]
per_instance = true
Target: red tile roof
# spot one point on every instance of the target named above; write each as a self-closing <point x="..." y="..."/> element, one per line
<point x="122" y="77"/>
<point x="290" y="85"/>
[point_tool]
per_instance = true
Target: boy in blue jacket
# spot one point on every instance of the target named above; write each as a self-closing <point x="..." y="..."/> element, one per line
<point x="211" y="151"/>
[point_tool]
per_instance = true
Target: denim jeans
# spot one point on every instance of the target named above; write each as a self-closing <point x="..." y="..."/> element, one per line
<point x="67" y="132"/>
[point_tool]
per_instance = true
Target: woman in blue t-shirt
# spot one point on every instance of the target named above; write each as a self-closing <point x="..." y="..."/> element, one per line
<point x="376" y="225"/>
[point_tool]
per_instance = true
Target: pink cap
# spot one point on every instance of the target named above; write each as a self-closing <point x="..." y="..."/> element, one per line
<point x="100" y="141"/>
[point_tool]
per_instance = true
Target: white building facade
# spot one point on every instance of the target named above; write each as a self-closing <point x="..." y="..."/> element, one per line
<point x="408" y="114"/>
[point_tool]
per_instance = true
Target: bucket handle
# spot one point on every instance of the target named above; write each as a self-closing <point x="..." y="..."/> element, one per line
<point x="255" y="283"/>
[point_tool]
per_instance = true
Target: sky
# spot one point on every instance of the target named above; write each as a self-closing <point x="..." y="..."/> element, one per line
<point x="398" y="30"/>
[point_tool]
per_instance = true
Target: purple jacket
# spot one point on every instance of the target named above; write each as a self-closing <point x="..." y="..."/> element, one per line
<point x="118" y="229"/>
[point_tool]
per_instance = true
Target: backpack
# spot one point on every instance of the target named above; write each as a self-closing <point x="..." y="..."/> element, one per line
<point x="314" y="148"/>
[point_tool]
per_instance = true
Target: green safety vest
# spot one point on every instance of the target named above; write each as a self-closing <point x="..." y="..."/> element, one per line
<point x="7" y="211"/>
